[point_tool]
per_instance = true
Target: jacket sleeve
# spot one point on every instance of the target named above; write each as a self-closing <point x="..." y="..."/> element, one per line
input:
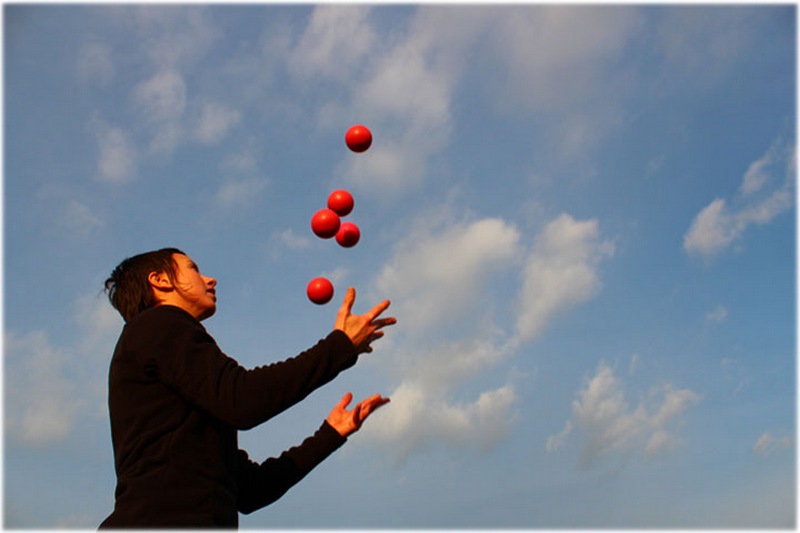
<point x="261" y="484"/>
<point x="187" y="359"/>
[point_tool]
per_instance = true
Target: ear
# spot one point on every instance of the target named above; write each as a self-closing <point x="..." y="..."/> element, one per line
<point x="160" y="281"/>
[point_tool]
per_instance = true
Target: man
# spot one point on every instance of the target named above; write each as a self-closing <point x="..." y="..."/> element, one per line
<point x="176" y="401"/>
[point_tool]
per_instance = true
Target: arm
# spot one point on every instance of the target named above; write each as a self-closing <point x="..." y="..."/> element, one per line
<point x="260" y="485"/>
<point x="185" y="358"/>
<point x="188" y="360"/>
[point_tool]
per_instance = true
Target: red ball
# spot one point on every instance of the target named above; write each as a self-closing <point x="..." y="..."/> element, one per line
<point x="320" y="291"/>
<point x="341" y="202"/>
<point x="358" y="138"/>
<point x="325" y="223"/>
<point x="348" y="234"/>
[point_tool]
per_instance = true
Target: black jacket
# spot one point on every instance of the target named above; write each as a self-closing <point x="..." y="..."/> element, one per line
<point x="176" y="403"/>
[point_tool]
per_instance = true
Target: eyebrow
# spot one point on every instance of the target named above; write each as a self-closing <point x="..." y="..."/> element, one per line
<point x="193" y="265"/>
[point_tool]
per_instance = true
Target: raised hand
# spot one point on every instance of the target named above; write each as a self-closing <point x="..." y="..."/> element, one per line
<point x="346" y="422"/>
<point x="362" y="329"/>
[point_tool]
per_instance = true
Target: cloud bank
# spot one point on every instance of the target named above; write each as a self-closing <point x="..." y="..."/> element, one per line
<point x="443" y="278"/>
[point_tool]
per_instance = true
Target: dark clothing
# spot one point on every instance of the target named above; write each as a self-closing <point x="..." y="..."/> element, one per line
<point x="176" y="403"/>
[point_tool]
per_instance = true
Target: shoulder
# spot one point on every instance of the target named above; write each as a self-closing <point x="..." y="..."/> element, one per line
<point x="164" y="324"/>
<point x="161" y="316"/>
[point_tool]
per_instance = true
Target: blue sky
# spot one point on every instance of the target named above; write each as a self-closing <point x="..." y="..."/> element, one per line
<point x="583" y="215"/>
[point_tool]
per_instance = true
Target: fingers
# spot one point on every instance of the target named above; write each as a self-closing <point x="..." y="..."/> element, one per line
<point x="376" y="311"/>
<point x="384" y="322"/>
<point x="348" y="301"/>
<point x="347" y="309"/>
<point x="345" y="401"/>
<point x="370" y="405"/>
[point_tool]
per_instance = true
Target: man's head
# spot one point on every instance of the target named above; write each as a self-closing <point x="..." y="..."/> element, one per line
<point x="163" y="277"/>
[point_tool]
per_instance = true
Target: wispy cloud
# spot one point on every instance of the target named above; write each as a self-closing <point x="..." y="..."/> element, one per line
<point x="694" y="45"/>
<point x="214" y="122"/>
<point x="766" y="192"/>
<point x="172" y="37"/>
<point x="237" y="193"/>
<point x="336" y="43"/>
<point x="42" y="401"/>
<point x="602" y="414"/>
<point x="49" y="387"/>
<point x="170" y="43"/>
<point x="717" y="315"/>
<point x="162" y="97"/>
<point x="767" y="444"/>
<point x="290" y="239"/>
<point x="80" y="220"/>
<point x="117" y="157"/>
<point x="95" y="63"/>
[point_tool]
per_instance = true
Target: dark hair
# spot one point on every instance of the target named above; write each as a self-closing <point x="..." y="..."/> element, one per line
<point x="128" y="288"/>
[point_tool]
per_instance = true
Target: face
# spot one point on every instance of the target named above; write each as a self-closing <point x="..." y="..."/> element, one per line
<point x="194" y="292"/>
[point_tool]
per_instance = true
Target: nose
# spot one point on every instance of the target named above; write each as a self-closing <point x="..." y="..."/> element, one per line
<point x="211" y="282"/>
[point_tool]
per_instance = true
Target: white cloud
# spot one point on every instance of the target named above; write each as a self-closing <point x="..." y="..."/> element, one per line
<point x="554" y="442"/>
<point x="694" y="45"/>
<point x="401" y="87"/>
<point x="99" y="322"/>
<point x="237" y="193"/>
<point x="449" y="363"/>
<point x="171" y="40"/>
<point x="162" y="100"/>
<point x="712" y="230"/>
<point x="560" y="272"/>
<point x="548" y="57"/>
<point x="718" y="225"/>
<point x="80" y="220"/>
<point x="291" y="240"/>
<point x="162" y="97"/>
<point x="99" y="325"/>
<point x="95" y="63"/>
<point x="420" y="418"/>
<point x="439" y="279"/>
<point x="560" y="56"/>
<point x="410" y="101"/>
<point x="117" y="157"/>
<point x="718" y="314"/>
<point x="439" y="276"/>
<point x="634" y="363"/>
<point x="214" y="122"/>
<point x="601" y="413"/>
<point x="563" y="64"/>
<point x="42" y="402"/>
<point x="336" y="43"/>
<point x="245" y="161"/>
<point x="172" y="37"/>
<point x="48" y="387"/>
<point x="654" y="166"/>
<point x="736" y="375"/>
